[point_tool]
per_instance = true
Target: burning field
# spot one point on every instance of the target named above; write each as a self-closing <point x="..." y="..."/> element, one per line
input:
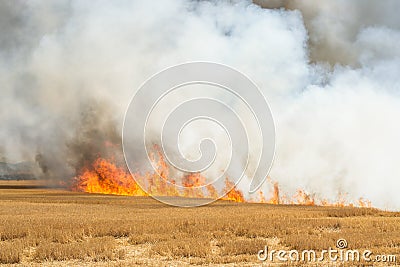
<point x="282" y="115"/>
<point x="104" y="176"/>
<point x="69" y="72"/>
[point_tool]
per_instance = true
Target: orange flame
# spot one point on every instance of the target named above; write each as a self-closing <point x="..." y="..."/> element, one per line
<point x="191" y="183"/>
<point x="234" y="194"/>
<point x="275" y="196"/>
<point x="105" y="177"/>
<point x="303" y="198"/>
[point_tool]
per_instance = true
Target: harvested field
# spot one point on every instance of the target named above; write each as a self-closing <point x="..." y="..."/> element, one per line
<point x="44" y="226"/>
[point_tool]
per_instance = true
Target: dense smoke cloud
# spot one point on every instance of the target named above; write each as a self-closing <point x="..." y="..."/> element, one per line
<point x="329" y="69"/>
<point x="334" y="26"/>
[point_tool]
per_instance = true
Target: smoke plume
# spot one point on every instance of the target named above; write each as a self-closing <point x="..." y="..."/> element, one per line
<point x="329" y="70"/>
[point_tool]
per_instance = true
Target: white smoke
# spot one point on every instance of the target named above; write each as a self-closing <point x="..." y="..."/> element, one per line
<point x="329" y="70"/>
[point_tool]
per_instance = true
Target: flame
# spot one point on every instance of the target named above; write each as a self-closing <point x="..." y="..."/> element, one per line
<point x="191" y="183"/>
<point x="303" y="198"/>
<point x="105" y="177"/>
<point x="275" y="196"/>
<point x="234" y="194"/>
<point x="363" y="203"/>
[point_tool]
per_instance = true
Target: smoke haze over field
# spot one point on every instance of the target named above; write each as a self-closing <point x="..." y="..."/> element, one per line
<point x="330" y="70"/>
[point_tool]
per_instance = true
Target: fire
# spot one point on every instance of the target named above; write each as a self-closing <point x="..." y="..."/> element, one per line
<point x="234" y="194"/>
<point x="105" y="177"/>
<point x="275" y="197"/>
<point x="303" y="198"/>
<point x="192" y="182"/>
<point x="364" y="203"/>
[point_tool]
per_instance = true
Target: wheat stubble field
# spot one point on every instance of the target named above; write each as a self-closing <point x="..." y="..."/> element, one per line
<point x="50" y="227"/>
